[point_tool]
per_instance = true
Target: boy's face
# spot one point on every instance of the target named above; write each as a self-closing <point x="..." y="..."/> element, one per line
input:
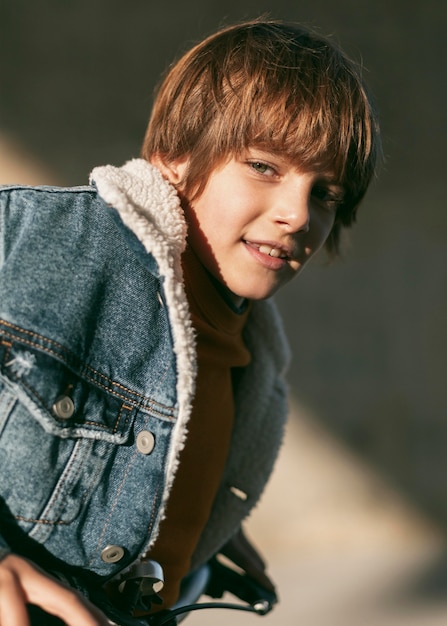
<point x="259" y="220"/>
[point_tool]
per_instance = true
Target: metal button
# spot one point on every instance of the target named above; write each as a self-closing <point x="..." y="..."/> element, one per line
<point x="64" y="407"/>
<point x="112" y="554"/>
<point x="145" y="442"/>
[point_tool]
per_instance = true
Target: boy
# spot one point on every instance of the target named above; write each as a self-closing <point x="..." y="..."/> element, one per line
<point x="142" y="399"/>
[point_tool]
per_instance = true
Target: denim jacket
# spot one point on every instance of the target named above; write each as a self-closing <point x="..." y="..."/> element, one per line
<point x="97" y="361"/>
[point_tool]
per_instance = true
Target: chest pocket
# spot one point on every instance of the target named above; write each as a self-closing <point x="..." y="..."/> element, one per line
<point x="58" y="432"/>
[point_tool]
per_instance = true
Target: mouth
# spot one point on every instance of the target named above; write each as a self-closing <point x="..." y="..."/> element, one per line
<point x="272" y="250"/>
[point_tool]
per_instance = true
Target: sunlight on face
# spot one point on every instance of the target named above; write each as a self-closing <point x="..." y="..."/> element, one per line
<point x="259" y="220"/>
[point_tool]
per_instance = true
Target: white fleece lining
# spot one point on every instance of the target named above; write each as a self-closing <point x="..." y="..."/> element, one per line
<point x="150" y="207"/>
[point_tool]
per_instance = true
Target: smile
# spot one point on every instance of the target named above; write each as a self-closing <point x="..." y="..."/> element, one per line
<point x="264" y="248"/>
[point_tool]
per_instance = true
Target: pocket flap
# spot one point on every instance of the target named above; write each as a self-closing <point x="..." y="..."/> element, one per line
<point x="66" y="403"/>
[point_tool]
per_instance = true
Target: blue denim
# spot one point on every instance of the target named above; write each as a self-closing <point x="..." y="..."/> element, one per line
<point x="74" y="324"/>
<point x="96" y="378"/>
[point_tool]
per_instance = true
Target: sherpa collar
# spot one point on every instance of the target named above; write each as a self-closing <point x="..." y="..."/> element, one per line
<point x="150" y="207"/>
<point x="147" y="203"/>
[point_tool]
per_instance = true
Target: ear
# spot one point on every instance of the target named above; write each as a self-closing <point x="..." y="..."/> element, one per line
<point x="173" y="171"/>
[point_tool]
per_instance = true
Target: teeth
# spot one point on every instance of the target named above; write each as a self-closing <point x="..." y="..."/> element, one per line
<point x="270" y="251"/>
<point x="275" y="252"/>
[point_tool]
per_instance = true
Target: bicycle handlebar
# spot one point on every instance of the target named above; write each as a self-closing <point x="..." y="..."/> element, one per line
<point x="214" y="579"/>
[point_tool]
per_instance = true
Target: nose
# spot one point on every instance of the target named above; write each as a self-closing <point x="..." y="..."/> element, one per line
<point x="292" y="211"/>
<point x="294" y="221"/>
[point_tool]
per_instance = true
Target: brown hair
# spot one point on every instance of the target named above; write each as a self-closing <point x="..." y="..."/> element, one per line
<point x="272" y="85"/>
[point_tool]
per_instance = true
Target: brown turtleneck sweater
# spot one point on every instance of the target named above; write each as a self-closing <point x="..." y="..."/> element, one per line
<point x="220" y="348"/>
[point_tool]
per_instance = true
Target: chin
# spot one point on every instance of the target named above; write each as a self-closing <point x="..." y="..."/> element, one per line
<point x="254" y="294"/>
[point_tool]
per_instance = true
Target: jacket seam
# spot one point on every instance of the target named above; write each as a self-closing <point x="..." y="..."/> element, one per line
<point x="62" y="480"/>
<point x="21" y="518"/>
<point x="113" y="504"/>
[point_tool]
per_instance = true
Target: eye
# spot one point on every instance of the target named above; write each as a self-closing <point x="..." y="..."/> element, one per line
<point x="262" y="168"/>
<point x="329" y="198"/>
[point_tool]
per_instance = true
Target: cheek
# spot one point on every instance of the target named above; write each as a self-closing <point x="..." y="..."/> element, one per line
<point x="202" y="213"/>
<point x="317" y="236"/>
<point x="207" y="228"/>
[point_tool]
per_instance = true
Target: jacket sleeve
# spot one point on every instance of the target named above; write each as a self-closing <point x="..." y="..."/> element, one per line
<point x="4" y="548"/>
<point x="15" y="215"/>
<point x="12" y="217"/>
<point x="3" y="197"/>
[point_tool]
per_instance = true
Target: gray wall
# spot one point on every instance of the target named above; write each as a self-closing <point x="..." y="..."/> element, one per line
<point x="369" y="333"/>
